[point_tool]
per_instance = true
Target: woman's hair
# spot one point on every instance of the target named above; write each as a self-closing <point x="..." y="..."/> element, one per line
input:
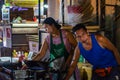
<point x="79" y="26"/>
<point x="50" y="21"/>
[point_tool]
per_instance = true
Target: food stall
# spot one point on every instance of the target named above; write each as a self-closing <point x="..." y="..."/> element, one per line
<point x="24" y="27"/>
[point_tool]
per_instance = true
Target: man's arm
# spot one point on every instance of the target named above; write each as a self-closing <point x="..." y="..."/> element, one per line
<point x="73" y="43"/>
<point x="73" y="63"/>
<point x="105" y="43"/>
<point x="71" y="39"/>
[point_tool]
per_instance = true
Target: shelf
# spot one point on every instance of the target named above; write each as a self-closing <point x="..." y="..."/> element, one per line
<point x="25" y="30"/>
<point x="33" y="38"/>
<point x="19" y="44"/>
<point x="90" y="28"/>
<point x="26" y="25"/>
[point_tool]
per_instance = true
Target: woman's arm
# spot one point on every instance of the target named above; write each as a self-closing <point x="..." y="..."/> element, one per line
<point x="105" y="43"/>
<point x="42" y="52"/>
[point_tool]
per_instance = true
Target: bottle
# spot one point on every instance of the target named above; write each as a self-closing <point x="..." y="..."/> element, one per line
<point x="26" y="55"/>
<point x="19" y="54"/>
<point x="22" y="55"/>
<point x="85" y="76"/>
<point x="14" y="53"/>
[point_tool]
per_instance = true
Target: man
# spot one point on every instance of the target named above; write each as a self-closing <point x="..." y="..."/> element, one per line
<point x="99" y="52"/>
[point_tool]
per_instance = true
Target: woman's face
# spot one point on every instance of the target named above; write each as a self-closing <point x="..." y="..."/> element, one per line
<point x="48" y="28"/>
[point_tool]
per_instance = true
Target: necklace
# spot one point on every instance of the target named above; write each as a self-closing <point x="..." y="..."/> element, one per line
<point x="55" y="35"/>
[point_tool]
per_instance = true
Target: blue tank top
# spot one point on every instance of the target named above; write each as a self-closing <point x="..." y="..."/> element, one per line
<point x="99" y="57"/>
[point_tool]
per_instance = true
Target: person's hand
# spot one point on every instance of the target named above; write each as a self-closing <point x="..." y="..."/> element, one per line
<point x="24" y="67"/>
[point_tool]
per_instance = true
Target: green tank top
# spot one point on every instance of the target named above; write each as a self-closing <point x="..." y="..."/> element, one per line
<point x="59" y="50"/>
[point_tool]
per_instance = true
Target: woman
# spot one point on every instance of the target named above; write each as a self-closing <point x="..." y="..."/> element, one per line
<point x="59" y="43"/>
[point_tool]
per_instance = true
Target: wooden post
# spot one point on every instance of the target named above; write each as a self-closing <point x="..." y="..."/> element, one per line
<point x="39" y="21"/>
<point x="63" y="21"/>
<point x="102" y="14"/>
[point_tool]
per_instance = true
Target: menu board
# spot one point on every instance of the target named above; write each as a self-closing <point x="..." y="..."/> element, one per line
<point x="7" y="36"/>
<point x="5" y="13"/>
<point x="33" y="46"/>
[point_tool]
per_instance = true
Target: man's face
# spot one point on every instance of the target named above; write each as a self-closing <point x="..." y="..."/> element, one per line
<point x="82" y="35"/>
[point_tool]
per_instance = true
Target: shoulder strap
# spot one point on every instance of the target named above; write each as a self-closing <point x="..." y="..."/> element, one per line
<point x="61" y="36"/>
<point x="51" y="40"/>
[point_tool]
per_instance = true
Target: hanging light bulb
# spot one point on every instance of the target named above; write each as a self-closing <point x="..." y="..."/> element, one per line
<point x="45" y="6"/>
